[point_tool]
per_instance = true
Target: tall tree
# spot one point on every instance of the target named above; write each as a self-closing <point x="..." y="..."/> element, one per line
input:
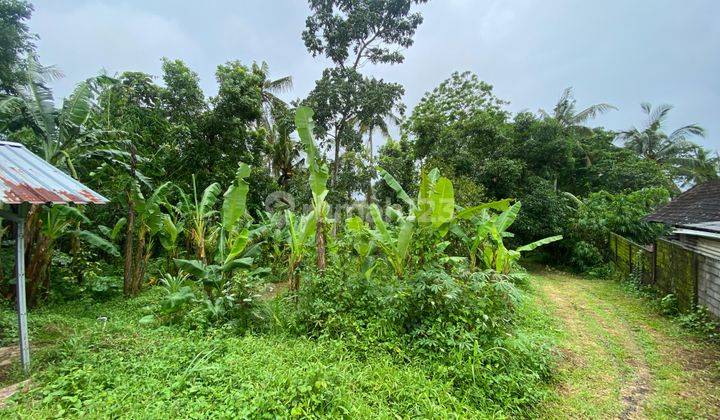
<point x="16" y="42"/>
<point x="700" y="167"/>
<point x="270" y="88"/>
<point x="351" y="33"/>
<point x="653" y="143"/>
<point x="565" y="112"/>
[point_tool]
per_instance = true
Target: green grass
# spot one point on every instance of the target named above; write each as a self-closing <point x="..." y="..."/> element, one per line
<point x="622" y="357"/>
<point x="86" y="368"/>
<point x="614" y="355"/>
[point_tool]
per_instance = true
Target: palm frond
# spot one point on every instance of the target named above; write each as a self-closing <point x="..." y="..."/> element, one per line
<point x="281" y="85"/>
<point x="689" y="130"/>
<point x="592" y="112"/>
<point x="658" y="115"/>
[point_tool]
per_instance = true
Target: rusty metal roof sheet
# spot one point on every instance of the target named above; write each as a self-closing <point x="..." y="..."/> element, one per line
<point x="26" y="178"/>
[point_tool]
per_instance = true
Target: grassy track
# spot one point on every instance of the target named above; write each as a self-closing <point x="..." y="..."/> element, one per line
<point x="622" y="360"/>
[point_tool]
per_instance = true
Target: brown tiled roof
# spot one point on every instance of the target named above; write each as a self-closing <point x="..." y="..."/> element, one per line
<point x="699" y="204"/>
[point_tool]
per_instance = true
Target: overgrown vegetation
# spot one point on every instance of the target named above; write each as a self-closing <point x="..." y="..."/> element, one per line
<point x="697" y="320"/>
<point x="243" y="270"/>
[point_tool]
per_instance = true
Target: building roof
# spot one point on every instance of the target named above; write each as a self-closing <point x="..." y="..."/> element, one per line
<point x="705" y="230"/>
<point x="699" y="204"/>
<point x="26" y="178"/>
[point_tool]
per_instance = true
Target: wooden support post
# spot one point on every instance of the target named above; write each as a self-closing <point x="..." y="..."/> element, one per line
<point x="20" y="212"/>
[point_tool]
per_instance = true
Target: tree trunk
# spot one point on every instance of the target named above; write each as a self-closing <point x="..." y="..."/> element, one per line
<point x="293" y="281"/>
<point x="129" y="236"/>
<point x="336" y="163"/>
<point x="138" y="266"/>
<point x="37" y="273"/>
<point x="320" y="242"/>
<point x="368" y="193"/>
<point x="130" y="231"/>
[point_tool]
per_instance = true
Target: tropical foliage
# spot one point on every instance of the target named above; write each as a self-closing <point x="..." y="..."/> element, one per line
<point x="244" y="214"/>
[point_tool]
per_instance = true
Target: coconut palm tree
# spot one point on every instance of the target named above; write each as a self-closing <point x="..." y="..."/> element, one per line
<point x="653" y="143"/>
<point x="700" y="167"/>
<point x="377" y="123"/>
<point x="64" y="134"/>
<point x="284" y="155"/>
<point x="565" y="112"/>
<point x="269" y="90"/>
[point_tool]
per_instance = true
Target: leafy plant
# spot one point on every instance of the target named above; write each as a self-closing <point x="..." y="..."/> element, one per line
<point x="232" y="252"/>
<point x="319" y="174"/>
<point x="300" y="232"/>
<point x="486" y="244"/>
<point x="177" y="294"/>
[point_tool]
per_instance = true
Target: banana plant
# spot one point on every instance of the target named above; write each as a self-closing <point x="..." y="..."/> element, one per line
<point x="300" y="232"/>
<point x="432" y="215"/>
<point x="233" y="251"/>
<point x="58" y="221"/>
<point x="319" y="174"/>
<point x="486" y="245"/>
<point x="170" y="231"/>
<point x="363" y="244"/>
<point x="201" y="210"/>
<point x="147" y="223"/>
<point x="394" y="242"/>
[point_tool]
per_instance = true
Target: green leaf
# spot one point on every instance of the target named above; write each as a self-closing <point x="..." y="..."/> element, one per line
<point x="209" y="197"/>
<point x="541" y="242"/>
<point x="404" y="237"/>
<point x="319" y="172"/>
<point x="304" y="124"/>
<point x="234" y="205"/>
<point x="76" y="108"/>
<point x="98" y="242"/>
<point x="443" y="199"/>
<point x="239" y="242"/>
<point x="119" y="225"/>
<point x="506" y="218"/>
<point x="319" y="175"/>
<point x="471" y="212"/>
<point x="169" y="233"/>
<point x="69" y="212"/>
<point x="308" y="225"/>
<point x="193" y="267"/>
<point x="380" y="225"/>
<point x="395" y="185"/>
<point x="243" y="171"/>
<point x="235" y="264"/>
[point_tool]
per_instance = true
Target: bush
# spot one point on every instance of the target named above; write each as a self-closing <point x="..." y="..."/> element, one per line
<point x="342" y="303"/>
<point x="701" y="321"/>
<point x="445" y="313"/>
<point x="585" y="256"/>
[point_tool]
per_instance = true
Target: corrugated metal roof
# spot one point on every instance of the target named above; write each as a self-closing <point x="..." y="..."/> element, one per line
<point x="26" y="178"/>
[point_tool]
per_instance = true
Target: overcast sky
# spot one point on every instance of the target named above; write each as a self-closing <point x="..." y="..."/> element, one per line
<point x="616" y="51"/>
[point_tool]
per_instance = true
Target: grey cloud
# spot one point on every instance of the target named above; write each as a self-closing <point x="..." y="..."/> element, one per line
<point x="613" y="51"/>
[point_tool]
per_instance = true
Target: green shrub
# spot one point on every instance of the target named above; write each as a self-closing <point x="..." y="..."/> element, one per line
<point x="702" y="322"/>
<point x="445" y="313"/>
<point x="669" y="305"/>
<point x="345" y="304"/>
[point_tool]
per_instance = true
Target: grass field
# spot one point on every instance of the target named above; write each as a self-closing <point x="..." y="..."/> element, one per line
<point x="615" y="358"/>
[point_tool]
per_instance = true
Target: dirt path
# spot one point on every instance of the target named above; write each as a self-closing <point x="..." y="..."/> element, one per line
<point x="622" y="360"/>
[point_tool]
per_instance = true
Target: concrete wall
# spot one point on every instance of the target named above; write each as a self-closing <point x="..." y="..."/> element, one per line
<point x="709" y="284"/>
